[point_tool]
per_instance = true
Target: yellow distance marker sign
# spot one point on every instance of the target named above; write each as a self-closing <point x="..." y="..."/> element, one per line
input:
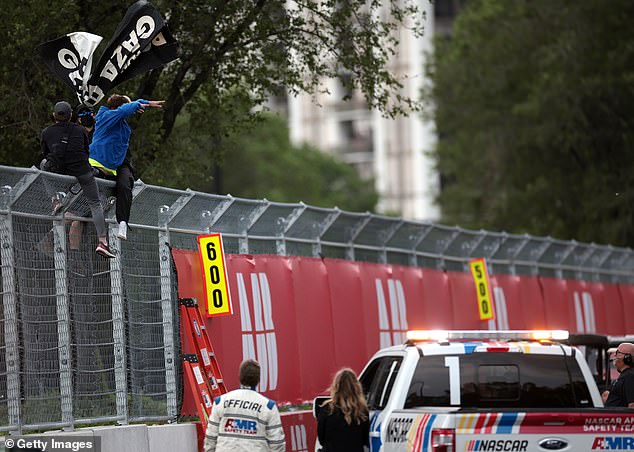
<point x="481" y="279"/>
<point x="212" y="264"/>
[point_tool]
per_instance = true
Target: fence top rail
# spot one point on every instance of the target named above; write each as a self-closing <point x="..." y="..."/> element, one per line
<point x="197" y="213"/>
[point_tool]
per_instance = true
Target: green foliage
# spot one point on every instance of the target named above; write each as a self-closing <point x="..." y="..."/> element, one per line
<point x="255" y="160"/>
<point x="535" y="110"/>
<point x="262" y="163"/>
<point x="228" y="48"/>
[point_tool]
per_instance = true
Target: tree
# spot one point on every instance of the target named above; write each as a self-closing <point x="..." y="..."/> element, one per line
<point x="535" y="114"/>
<point x="288" y="174"/>
<point x="255" y="47"/>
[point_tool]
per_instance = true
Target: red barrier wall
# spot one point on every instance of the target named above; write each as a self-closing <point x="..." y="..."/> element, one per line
<point x="300" y="430"/>
<point x="554" y="293"/>
<point x="304" y="318"/>
<point x="347" y="301"/>
<point x="465" y="303"/>
<point x="438" y="309"/>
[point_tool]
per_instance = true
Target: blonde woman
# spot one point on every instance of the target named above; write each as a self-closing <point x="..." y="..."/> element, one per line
<point x="343" y="423"/>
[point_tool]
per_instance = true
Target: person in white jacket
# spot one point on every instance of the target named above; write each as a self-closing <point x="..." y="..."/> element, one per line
<point x="244" y="420"/>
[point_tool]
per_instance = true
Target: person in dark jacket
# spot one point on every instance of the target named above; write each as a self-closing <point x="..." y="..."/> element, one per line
<point x="84" y="116"/>
<point x="622" y="392"/>
<point x="343" y="422"/>
<point x="65" y="151"/>
<point x="110" y="153"/>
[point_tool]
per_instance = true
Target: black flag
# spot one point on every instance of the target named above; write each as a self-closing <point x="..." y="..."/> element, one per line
<point x="142" y="42"/>
<point x="161" y="50"/>
<point x="70" y="58"/>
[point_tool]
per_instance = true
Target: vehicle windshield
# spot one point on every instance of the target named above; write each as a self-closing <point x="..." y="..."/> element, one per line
<point x="498" y="380"/>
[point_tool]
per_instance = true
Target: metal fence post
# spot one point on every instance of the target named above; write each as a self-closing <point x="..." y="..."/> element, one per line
<point x="598" y="263"/>
<point x="416" y="240"/>
<point x="615" y="278"/>
<point x="559" y="271"/>
<point x="209" y="220"/>
<point x="280" y="243"/>
<point x="539" y="253"/>
<point x="580" y="263"/>
<point x="118" y="334"/>
<point x="354" y="233"/>
<point x="386" y="236"/>
<point x="445" y="244"/>
<point x="245" y="224"/>
<point x="63" y="322"/>
<point x="165" y="264"/>
<point x="321" y="228"/>
<point x="9" y="304"/>
<point x="283" y="225"/>
<point x="490" y="252"/>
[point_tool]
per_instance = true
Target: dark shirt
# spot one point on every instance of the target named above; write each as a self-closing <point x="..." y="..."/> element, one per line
<point x="622" y="391"/>
<point x="72" y="157"/>
<point x="336" y="435"/>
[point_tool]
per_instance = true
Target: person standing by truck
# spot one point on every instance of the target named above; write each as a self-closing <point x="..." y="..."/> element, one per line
<point x="621" y="394"/>
<point x="343" y="422"/>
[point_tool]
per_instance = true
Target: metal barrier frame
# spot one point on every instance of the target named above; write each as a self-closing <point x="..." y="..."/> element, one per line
<point x="254" y="227"/>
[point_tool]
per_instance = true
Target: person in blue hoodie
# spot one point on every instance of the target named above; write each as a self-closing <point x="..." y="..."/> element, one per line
<point x="109" y="150"/>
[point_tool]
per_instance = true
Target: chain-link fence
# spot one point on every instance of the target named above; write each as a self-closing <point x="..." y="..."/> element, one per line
<point x="86" y="339"/>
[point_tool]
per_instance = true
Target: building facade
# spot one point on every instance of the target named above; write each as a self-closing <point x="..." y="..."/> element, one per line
<point x="393" y="152"/>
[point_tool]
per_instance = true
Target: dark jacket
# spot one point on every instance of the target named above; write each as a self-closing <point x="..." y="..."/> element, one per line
<point x="66" y="144"/>
<point x="336" y="435"/>
<point x="622" y="391"/>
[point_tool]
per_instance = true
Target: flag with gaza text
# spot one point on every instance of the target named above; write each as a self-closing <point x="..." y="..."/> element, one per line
<point x="142" y="42"/>
<point x="70" y="59"/>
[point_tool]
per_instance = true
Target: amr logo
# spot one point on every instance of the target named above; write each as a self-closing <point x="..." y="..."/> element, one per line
<point x="392" y="326"/>
<point x="258" y="331"/>
<point x="501" y="320"/>
<point x="298" y="438"/>
<point x="584" y="312"/>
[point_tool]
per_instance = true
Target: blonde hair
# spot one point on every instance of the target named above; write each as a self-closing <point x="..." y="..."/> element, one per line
<point x="347" y="395"/>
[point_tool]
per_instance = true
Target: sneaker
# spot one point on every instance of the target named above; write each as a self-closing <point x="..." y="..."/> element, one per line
<point x="122" y="233"/>
<point x="104" y="250"/>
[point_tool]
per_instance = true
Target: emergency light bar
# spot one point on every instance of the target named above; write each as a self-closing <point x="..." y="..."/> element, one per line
<point x="497" y="335"/>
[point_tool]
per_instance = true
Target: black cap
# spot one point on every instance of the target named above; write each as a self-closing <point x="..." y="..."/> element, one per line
<point x="63" y="110"/>
<point x="83" y="108"/>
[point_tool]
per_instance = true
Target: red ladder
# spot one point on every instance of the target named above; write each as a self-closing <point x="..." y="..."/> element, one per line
<point x="201" y="369"/>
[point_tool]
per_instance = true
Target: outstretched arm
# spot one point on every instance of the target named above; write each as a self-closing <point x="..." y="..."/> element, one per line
<point x="155" y="103"/>
<point x="136" y="106"/>
<point x="149" y="103"/>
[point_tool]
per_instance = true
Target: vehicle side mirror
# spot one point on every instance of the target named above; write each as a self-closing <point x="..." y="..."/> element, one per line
<point x="317" y="404"/>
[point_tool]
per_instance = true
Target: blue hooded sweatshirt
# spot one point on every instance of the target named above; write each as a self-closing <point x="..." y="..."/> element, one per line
<point x="112" y="135"/>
